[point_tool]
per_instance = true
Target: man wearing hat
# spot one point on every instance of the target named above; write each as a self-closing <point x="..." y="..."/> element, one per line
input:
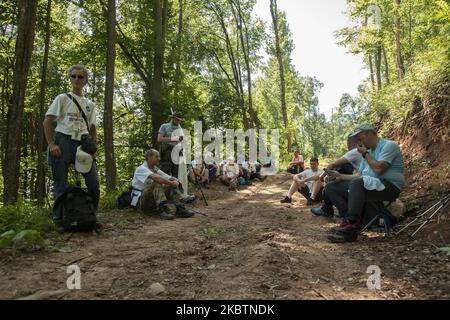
<point x="167" y="141"/>
<point x="64" y="141"/>
<point x="379" y="178"/>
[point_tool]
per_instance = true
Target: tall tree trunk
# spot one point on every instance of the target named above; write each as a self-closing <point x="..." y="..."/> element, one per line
<point x="372" y="73"/>
<point x="243" y="35"/>
<point x="160" y="22"/>
<point x="40" y="140"/>
<point x="378" y="67"/>
<point x="178" y="56"/>
<point x="274" y="13"/>
<point x="233" y="57"/>
<point x="110" y="159"/>
<point x="398" y="48"/>
<point x="386" y="65"/>
<point x="24" y="48"/>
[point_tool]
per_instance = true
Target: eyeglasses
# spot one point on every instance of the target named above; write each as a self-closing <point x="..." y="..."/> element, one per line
<point x="73" y="76"/>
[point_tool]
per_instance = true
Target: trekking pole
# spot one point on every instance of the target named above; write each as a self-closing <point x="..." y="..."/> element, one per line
<point x="199" y="186"/>
<point x="440" y="202"/>
<point x="443" y="203"/>
<point x="198" y="212"/>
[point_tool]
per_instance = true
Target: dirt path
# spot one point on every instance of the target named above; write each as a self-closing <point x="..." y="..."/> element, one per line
<point x="249" y="246"/>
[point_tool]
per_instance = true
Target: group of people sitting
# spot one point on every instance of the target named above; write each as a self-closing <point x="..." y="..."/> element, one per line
<point x="370" y="173"/>
<point x="155" y="189"/>
<point x="228" y="172"/>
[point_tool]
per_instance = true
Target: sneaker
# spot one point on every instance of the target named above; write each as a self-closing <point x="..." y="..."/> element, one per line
<point x="321" y="212"/>
<point x="343" y="236"/>
<point x="286" y="200"/>
<point x="348" y="226"/>
<point x="184" y="213"/>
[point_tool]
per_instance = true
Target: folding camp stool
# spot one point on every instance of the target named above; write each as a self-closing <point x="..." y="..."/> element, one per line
<point x="384" y="213"/>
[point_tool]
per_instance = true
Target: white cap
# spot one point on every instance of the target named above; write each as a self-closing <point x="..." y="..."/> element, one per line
<point x="83" y="161"/>
<point x="231" y="160"/>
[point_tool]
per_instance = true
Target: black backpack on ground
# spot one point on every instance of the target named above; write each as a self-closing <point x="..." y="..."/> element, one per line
<point x="125" y="198"/>
<point x="78" y="210"/>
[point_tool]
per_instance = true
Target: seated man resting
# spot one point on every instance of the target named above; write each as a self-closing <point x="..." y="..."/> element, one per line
<point x="212" y="166"/>
<point x="230" y="173"/>
<point x="308" y="184"/>
<point x="250" y="171"/>
<point x="199" y="173"/>
<point x="379" y="178"/>
<point x="155" y="188"/>
<point x="347" y="164"/>
<point x="297" y="164"/>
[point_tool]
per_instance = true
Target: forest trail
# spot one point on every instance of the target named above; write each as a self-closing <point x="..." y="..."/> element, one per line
<point x="248" y="246"/>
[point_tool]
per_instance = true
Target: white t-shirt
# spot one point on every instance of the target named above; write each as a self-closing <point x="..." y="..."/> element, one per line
<point x="231" y="170"/>
<point x="209" y="158"/>
<point x="68" y="116"/>
<point x="142" y="173"/>
<point x="308" y="173"/>
<point x="354" y="157"/>
<point x="249" y="166"/>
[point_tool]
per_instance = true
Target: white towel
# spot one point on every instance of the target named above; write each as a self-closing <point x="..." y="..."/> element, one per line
<point x="371" y="183"/>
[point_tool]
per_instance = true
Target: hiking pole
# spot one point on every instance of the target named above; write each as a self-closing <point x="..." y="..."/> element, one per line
<point x="443" y="203"/>
<point x="197" y="183"/>
<point x="445" y="199"/>
<point x="198" y="212"/>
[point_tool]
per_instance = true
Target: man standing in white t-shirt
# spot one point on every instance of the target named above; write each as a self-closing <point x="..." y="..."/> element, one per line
<point x="64" y="140"/>
<point x="308" y="183"/>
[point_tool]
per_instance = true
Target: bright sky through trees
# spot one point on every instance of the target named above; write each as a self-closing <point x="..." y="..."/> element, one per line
<point x="312" y="23"/>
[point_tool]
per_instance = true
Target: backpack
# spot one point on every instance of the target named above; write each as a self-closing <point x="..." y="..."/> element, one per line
<point x="78" y="211"/>
<point x="124" y="200"/>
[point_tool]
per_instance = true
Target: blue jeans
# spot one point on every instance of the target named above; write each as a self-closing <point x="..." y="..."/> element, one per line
<point x="60" y="168"/>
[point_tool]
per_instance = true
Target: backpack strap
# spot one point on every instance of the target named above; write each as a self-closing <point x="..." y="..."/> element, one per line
<point x="81" y="110"/>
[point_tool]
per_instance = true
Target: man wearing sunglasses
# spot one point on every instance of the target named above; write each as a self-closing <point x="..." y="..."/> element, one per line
<point x="64" y="140"/>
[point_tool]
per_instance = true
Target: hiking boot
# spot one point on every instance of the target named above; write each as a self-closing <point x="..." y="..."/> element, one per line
<point x="165" y="213"/>
<point x="98" y="228"/>
<point x="311" y="202"/>
<point x="59" y="229"/>
<point x="183" y="213"/>
<point x="166" y="216"/>
<point x="348" y="226"/>
<point x="286" y="200"/>
<point x="188" y="199"/>
<point x="58" y="226"/>
<point x="343" y="236"/>
<point x="321" y="212"/>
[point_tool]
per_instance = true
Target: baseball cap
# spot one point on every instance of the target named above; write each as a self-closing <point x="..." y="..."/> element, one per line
<point x="361" y="128"/>
<point x="83" y="161"/>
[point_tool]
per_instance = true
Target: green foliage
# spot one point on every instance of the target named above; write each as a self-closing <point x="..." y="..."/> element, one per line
<point x="25" y="239"/>
<point x="108" y="200"/>
<point x="25" y="216"/>
<point x="199" y="77"/>
<point x="212" y="232"/>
